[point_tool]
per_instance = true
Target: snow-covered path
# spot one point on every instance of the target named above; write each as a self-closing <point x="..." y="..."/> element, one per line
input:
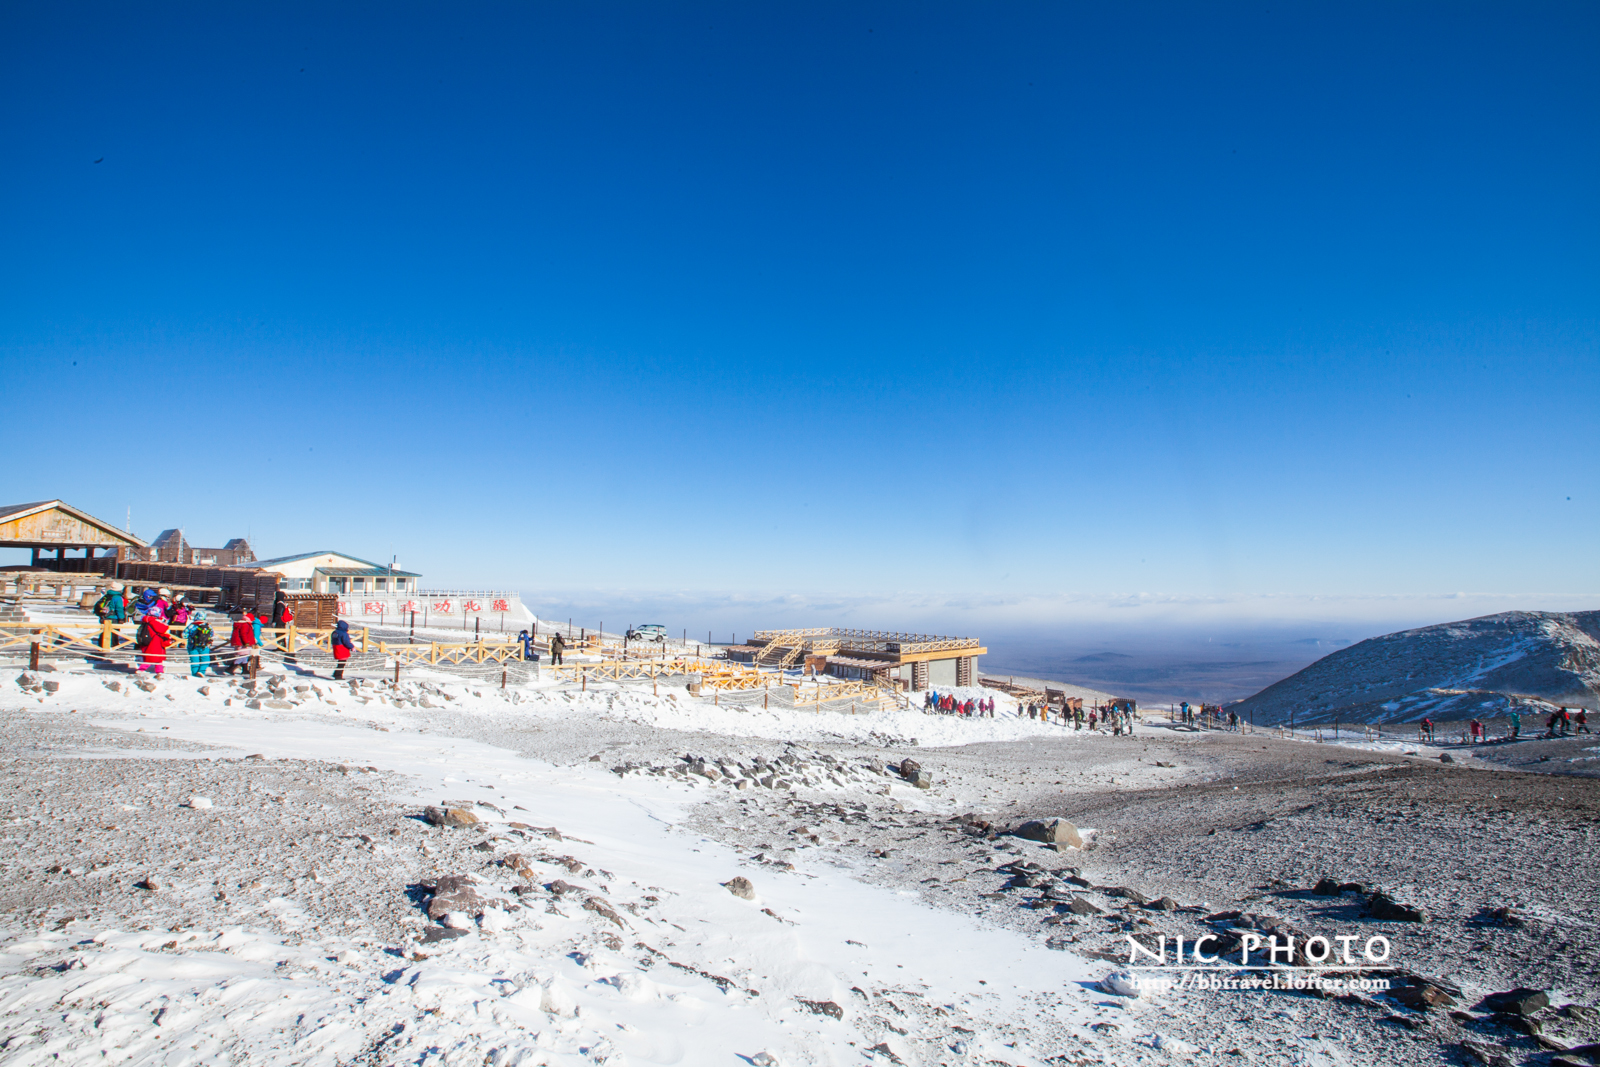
<point x="818" y="968"/>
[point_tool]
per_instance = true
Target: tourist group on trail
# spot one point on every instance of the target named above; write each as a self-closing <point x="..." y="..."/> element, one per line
<point x="164" y="620"/>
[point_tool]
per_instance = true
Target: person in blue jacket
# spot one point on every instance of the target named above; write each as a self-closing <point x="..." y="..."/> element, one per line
<point x="529" y="653"/>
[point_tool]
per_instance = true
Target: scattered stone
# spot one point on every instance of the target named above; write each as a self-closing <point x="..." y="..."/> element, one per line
<point x="1445" y="757"/>
<point x="150" y="884"/>
<point x="1169" y="766"/>
<point x="822" y="1007"/>
<point x="764" y="1059"/>
<point x="1422" y="997"/>
<point x="1475" y="1052"/>
<point x="1051" y="832"/>
<point x="1522" y="1024"/>
<point x="1326" y="887"/>
<point x="198" y="802"/>
<point x="145" y="682"/>
<point x="1124" y="893"/>
<point x="1080" y="906"/>
<point x="114" y="685"/>
<point x="440" y="933"/>
<point x="52" y="686"/>
<point x="741" y="887"/>
<point x="1163" y="904"/>
<point x="909" y="769"/>
<point x="1385" y="908"/>
<point x="451" y="817"/>
<point x="454" y="893"/>
<point x="604" y="910"/>
<point x="1517" y="1001"/>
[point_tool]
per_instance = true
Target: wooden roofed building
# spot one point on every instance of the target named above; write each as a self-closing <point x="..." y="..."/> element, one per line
<point x="908" y="661"/>
<point x="62" y="538"/>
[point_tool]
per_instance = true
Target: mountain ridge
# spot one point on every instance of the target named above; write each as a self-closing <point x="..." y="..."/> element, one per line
<point x="1448" y="671"/>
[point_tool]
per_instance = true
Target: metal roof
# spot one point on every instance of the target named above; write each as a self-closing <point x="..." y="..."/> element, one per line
<point x="261" y="563"/>
<point x="365" y="572"/>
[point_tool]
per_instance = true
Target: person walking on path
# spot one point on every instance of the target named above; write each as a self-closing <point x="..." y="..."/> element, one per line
<point x="155" y="636"/>
<point x="243" y="638"/>
<point x="255" y="629"/>
<point x="558" y="645"/>
<point x="342" y="647"/>
<point x="1516" y="724"/>
<point x="199" y="637"/>
<point x="1582" y="720"/>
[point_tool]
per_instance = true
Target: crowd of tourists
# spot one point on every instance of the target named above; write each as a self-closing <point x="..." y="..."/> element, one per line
<point x="947" y="704"/>
<point x="1563" y="722"/>
<point x="164" y="619"/>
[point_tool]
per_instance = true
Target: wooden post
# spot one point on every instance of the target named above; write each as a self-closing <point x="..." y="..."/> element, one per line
<point x="255" y="666"/>
<point x="364" y="638"/>
<point x="653" y="690"/>
<point x="105" y="634"/>
<point x="433" y="652"/>
<point x="397" y="669"/>
<point x="33" y="656"/>
<point x="584" y="670"/>
<point x="502" y="677"/>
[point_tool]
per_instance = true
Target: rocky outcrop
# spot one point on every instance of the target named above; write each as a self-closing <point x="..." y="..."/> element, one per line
<point x="1448" y="672"/>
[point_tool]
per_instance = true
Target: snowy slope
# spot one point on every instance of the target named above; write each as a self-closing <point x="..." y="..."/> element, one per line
<point x="240" y="955"/>
<point x="1448" y="672"/>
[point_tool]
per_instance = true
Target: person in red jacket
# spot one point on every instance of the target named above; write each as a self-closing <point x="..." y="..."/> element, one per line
<point x="153" y="654"/>
<point x="342" y="647"/>
<point x="243" y="639"/>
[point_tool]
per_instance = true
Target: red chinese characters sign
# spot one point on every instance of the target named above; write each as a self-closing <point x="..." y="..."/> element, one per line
<point x="501" y="605"/>
<point x="409" y="605"/>
<point x="443" y="607"/>
<point x="470" y="606"/>
<point x="375" y="607"/>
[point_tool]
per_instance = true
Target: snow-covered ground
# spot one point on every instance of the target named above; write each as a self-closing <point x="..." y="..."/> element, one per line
<point x="643" y="957"/>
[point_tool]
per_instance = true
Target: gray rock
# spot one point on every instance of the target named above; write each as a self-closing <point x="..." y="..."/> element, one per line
<point x="1422" y="997"/>
<point x="822" y="1007"/>
<point x="452" y="817"/>
<point x="52" y="686"/>
<point x="1445" y="757"/>
<point x="1051" y="832"/>
<point x="741" y="887"/>
<point x="455" y="892"/>
<point x="909" y="768"/>
<point x="1080" y="906"/>
<point x="1517" y="1001"/>
<point x="1386" y="909"/>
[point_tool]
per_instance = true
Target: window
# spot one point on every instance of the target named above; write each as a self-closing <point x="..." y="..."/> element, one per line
<point x="358" y="585"/>
<point x="380" y="585"/>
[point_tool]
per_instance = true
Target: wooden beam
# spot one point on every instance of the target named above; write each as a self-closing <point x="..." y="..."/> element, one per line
<point x="947" y="653"/>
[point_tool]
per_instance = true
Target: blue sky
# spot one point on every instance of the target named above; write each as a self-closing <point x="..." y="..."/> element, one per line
<point x="932" y="303"/>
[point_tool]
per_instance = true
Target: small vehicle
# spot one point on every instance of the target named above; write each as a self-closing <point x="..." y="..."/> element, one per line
<point x="648" y="631"/>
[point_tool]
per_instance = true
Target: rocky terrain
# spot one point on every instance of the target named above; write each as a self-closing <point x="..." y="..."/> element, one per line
<point x="302" y="872"/>
<point x="1451" y="672"/>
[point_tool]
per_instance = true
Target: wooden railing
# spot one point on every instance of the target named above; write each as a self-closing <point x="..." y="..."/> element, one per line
<point x="435" y="653"/>
<point x="860" y="692"/>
